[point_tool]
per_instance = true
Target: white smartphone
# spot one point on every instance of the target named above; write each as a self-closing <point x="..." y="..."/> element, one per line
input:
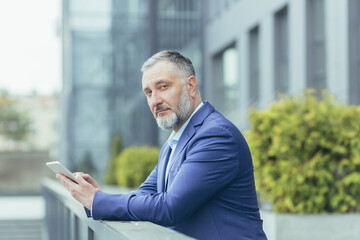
<point x="56" y="167"/>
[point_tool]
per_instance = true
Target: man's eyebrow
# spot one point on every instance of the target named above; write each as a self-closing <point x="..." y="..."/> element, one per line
<point x="161" y="81"/>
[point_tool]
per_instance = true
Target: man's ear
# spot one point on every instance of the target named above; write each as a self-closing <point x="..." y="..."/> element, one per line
<point x="192" y="85"/>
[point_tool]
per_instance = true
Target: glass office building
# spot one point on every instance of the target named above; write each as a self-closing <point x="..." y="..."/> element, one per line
<point x="104" y="45"/>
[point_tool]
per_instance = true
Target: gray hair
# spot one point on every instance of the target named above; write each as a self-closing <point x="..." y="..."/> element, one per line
<point x="183" y="64"/>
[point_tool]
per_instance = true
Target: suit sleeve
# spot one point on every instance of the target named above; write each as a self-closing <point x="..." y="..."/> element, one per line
<point x="149" y="186"/>
<point x="210" y="165"/>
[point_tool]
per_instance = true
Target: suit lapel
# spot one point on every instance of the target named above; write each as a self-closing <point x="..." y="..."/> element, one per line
<point x="162" y="167"/>
<point x="190" y="129"/>
<point x="188" y="133"/>
<point x="184" y="139"/>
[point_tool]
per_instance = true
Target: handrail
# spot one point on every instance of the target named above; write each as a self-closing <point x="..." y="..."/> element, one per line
<point x="65" y="218"/>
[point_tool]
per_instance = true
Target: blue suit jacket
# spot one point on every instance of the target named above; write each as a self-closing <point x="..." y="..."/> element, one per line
<point x="210" y="192"/>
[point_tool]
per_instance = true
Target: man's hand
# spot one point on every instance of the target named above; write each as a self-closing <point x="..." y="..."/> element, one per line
<point x="84" y="190"/>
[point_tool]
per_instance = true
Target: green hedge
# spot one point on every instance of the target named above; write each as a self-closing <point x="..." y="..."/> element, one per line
<point x="116" y="148"/>
<point x="134" y="164"/>
<point x="306" y="154"/>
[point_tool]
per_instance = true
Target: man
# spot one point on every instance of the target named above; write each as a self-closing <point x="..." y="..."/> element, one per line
<point x="203" y="185"/>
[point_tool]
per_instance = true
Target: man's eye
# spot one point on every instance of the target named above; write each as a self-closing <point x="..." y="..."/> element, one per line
<point x="148" y="93"/>
<point x="164" y="86"/>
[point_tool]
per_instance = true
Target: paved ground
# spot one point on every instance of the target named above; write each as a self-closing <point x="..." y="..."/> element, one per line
<point x="22" y="207"/>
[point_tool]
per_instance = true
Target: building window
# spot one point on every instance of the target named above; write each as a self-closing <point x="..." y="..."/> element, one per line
<point x="354" y="51"/>
<point x="281" y="51"/>
<point x="316" y="65"/>
<point x="214" y="8"/>
<point x="254" y="66"/>
<point x="225" y="83"/>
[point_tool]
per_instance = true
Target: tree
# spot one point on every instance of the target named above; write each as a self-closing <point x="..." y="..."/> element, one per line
<point x="13" y="123"/>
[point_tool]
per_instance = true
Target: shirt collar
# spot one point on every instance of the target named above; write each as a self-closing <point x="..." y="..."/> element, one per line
<point x="174" y="137"/>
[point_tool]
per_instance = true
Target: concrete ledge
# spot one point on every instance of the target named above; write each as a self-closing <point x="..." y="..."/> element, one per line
<point x="311" y="226"/>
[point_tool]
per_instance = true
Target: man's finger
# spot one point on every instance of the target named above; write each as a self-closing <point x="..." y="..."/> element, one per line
<point x="80" y="179"/>
<point x="61" y="177"/>
<point x="67" y="182"/>
<point x="78" y="173"/>
<point x="90" y="180"/>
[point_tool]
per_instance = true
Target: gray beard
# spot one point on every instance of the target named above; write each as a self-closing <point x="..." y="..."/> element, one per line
<point x="177" y="117"/>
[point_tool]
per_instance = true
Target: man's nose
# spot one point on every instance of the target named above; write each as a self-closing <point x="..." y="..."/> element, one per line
<point x="155" y="100"/>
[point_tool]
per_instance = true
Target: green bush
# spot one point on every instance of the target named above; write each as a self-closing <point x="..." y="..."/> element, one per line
<point x="116" y="148"/>
<point x="307" y="154"/>
<point x="134" y="164"/>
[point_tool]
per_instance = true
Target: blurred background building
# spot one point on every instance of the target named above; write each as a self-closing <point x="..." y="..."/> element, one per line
<point x="44" y="115"/>
<point x="245" y="54"/>
<point x="104" y="46"/>
<point x="87" y="77"/>
<point x="281" y="46"/>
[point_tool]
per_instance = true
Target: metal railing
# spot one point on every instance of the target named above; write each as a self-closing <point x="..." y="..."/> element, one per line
<point x="65" y="218"/>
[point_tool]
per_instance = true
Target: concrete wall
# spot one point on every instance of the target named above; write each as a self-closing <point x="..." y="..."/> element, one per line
<point x="311" y="226"/>
<point x="22" y="172"/>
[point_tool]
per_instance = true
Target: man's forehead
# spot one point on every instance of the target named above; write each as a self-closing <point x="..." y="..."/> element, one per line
<point x="160" y="71"/>
<point x="161" y="66"/>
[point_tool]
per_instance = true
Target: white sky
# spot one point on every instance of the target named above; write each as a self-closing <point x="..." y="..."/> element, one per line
<point x="30" y="54"/>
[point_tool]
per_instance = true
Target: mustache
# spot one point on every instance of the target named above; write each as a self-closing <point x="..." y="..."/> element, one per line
<point x="160" y="108"/>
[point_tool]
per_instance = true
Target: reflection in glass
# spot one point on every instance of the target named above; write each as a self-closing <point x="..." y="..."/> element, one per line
<point x="281" y="51"/>
<point x="316" y="55"/>
<point x="254" y="66"/>
<point x="226" y="87"/>
<point x="354" y="52"/>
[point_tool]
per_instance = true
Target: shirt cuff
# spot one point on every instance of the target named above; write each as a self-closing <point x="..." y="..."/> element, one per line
<point x="92" y="206"/>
